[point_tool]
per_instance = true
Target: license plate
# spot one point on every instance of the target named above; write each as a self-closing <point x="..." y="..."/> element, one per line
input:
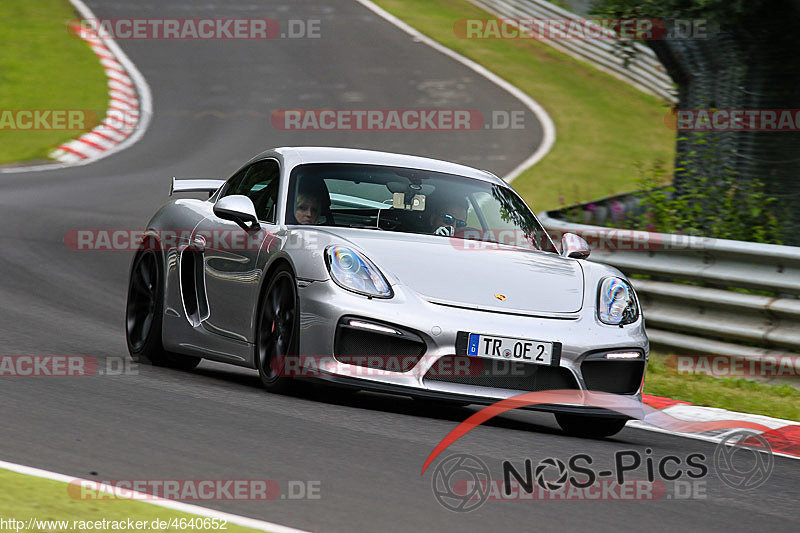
<point x="509" y="349"/>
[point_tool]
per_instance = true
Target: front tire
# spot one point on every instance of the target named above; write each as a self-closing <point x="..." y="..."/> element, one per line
<point x="278" y="332"/>
<point x="592" y="427"/>
<point x="144" y="312"/>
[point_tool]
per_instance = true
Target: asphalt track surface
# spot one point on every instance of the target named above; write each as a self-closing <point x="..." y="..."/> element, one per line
<point x="365" y="450"/>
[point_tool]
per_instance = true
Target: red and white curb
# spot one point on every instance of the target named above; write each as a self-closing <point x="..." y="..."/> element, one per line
<point x="129" y="108"/>
<point x="252" y="523"/>
<point x="122" y="116"/>
<point x="783" y="435"/>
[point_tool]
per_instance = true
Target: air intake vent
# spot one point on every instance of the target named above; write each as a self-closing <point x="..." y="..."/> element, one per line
<point x="385" y="347"/>
<point x="618" y="377"/>
<point x="484" y="372"/>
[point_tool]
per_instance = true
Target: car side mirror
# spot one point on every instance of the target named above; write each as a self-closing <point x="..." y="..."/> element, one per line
<point x="239" y="209"/>
<point x="574" y="246"/>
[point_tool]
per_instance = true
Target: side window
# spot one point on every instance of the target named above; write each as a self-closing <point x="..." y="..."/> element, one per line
<point x="259" y="182"/>
<point x="233" y="183"/>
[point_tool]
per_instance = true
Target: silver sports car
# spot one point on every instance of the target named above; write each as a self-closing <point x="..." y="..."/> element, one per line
<point x="383" y="272"/>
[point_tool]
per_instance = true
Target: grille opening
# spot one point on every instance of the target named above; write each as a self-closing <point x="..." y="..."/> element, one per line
<point x="618" y="377"/>
<point x="377" y="350"/>
<point x="484" y="372"/>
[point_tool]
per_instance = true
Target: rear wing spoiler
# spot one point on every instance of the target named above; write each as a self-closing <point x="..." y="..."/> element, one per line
<point x="209" y="186"/>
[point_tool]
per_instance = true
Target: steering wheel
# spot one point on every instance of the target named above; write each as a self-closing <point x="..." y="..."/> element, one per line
<point x="388" y="224"/>
<point x="386" y="221"/>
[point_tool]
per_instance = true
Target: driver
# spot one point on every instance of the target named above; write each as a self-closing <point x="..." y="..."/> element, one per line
<point x="447" y="216"/>
<point x="308" y="206"/>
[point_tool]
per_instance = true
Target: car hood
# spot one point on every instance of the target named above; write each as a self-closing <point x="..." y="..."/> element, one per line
<point x="447" y="272"/>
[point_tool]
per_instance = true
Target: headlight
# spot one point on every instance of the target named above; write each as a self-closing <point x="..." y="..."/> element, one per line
<point x="354" y="272"/>
<point x="616" y="303"/>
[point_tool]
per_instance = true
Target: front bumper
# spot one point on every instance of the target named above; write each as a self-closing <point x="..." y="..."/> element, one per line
<point x="323" y="304"/>
<point x="447" y="396"/>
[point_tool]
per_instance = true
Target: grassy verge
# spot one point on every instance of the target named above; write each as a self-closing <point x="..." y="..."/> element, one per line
<point x="603" y="126"/>
<point x="43" y="67"/>
<point x="25" y="497"/>
<point x="735" y="394"/>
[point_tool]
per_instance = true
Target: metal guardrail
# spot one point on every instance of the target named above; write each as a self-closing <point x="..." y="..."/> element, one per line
<point x="692" y="289"/>
<point x="643" y="69"/>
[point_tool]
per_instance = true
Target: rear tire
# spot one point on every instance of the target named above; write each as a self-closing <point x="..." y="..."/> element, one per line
<point x="144" y="312"/>
<point x="278" y="332"/>
<point x="592" y="427"/>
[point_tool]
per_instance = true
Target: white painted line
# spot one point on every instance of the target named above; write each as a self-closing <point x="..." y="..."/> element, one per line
<point x="110" y="50"/>
<point x="548" y="128"/>
<point x="243" y="521"/>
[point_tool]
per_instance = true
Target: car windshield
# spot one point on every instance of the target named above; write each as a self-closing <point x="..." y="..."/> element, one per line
<point x="411" y="201"/>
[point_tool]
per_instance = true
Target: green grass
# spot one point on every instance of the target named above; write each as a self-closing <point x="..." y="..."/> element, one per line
<point x="44" y="67"/>
<point x="735" y="394"/>
<point x="603" y="126"/>
<point x="25" y="497"/>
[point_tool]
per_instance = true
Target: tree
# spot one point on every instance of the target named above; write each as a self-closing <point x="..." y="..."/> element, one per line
<point x="750" y="60"/>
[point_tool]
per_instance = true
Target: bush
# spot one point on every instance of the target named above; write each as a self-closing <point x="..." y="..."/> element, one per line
<point x="723" y="208"/>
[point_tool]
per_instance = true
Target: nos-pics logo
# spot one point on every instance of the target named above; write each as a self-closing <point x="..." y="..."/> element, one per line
<point x="462" y="482"/>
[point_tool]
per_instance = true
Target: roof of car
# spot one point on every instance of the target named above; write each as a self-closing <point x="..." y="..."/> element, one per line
<point x="298" y="155"/>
